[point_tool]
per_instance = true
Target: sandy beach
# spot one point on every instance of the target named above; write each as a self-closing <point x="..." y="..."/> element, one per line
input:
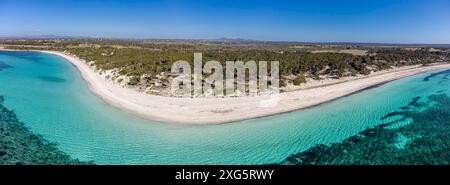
<point x="223" y="110"/>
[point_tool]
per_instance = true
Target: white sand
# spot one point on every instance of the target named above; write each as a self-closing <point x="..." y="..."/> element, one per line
<point x="222" y="110"/>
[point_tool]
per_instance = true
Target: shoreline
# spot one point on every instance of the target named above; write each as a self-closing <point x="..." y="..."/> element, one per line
<point x="215" y="110"/>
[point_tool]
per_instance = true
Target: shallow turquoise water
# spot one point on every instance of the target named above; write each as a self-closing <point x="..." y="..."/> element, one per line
<point x="50" y="97"/>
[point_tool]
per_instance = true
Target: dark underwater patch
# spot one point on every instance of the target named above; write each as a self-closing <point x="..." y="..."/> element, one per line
<point x="18" y="145"/>
<point x="415" y="102"/>
<point x="4" y="66"/>
<point x="35" y="59"/>
<point x="446" y="73"/>
<point x="443" y="79"/>
<point x="391" y="114"/>
<point x="405" y="108"/>
<point x="426" y="140"/>
<point x="30" y="56"/>
<point x="51" y="79"/>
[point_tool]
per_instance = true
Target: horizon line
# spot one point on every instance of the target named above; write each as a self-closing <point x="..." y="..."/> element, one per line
<point x="53" y="36"/>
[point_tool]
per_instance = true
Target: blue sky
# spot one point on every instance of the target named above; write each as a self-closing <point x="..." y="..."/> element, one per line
<point x="382" y="21"/>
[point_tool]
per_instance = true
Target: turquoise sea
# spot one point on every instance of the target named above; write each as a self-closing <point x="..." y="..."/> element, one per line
<point x="50" y="97"/>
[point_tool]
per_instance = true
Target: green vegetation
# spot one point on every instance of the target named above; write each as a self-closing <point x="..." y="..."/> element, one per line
<point x="299" y="80"/>
<point x="135" y="58"/>
<point x="134" y="80"/>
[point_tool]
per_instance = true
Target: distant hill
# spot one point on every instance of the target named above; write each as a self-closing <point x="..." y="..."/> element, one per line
<point x="41" y="37"/>
<point x="238" y="41"/>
